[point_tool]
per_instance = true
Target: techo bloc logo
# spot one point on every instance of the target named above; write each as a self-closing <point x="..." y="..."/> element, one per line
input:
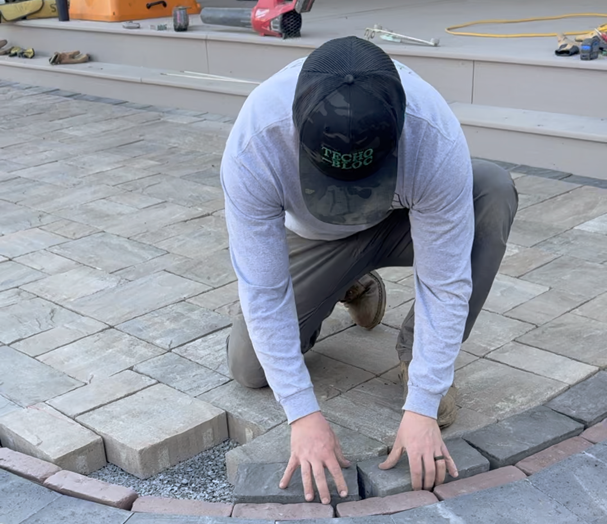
<point x="354" y="160"/>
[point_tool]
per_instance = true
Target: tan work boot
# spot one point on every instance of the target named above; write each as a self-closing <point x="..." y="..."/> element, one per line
<point x="366" y="301"/>
<point x="447" y="410"/>
<point x="72" y="57"/>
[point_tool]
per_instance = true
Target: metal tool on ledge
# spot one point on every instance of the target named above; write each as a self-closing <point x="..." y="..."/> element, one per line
<point x="391" y="36"/>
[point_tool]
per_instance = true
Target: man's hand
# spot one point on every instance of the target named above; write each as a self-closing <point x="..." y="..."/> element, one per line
<point x="314" y="446"/>
<point x="420" y="437"/>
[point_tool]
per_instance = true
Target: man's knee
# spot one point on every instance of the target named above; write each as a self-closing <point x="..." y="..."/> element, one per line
<point x="495" y="195"/>
<point x="242" y="361"/>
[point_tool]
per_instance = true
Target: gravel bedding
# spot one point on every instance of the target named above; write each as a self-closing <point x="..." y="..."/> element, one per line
<point x="202" y="477"/>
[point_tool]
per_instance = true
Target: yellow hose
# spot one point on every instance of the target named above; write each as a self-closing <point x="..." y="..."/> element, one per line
<point x="450" y="30"/>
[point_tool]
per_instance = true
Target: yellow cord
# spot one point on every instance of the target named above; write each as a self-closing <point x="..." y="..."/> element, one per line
<point x="450" y="30"/>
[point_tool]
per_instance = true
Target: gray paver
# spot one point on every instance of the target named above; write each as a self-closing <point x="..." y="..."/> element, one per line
<point x="542" y="363"/>
<point x="30" y="317"/>
<point x="26" y="381"/>
<point x="100" y="392"/>
<point x="376" y="482"/>
<point x="498" y="391"/>
<point x="210" y="236"/>
<point x="251" y="412"/>
<point x="372" y="351"/>
<point x="107" y="252"/>
<point x="44" y="433"/>
<point x="15" y="218"/>
<point x="579" y="244"/>
<point x="182" y="374"/>
<point x="21" y="498"/>
<point x="586" y="401"/>
<point x="69" y="229"/>
<point x="47" y="262"/>
<point x="258" y="483"/>
<point x="209" y="351"/>
<point x="492" y="331"/>
<point x="14" y="275"/>
<point x="61" y="198"/>
<point x="135" y="199"/>
<point x="572" y="336"/>
<point x="97" y="213"/>
<point x="571" y="275"/>
<point x="46" y="341"/>
<point x="24" y="242"/>
<point x="546" y="307"/>
<point x="528" y="233"/>
<point x="596" y="225"/>
<point x="595" y="309"/>
<point x="275" y="446"/>
<point x="520" y="436"/>
<point x="467" y="420"/>
<point x="218" y="297"/>
<point x="214" y="270"/>
<point x="146" y="518"/>
<point x="516" y="502"/>
<point x="6" y="406"/>
<point x="13" y="296"/>
<point x="100" y="355"/>
<point x="161" y="263"/>
<point x="521" y="260"/>
<point x="578" y="483"/>
<point x="155" y="429"/>
<point x="338" y="321"/>
<point x="117" y="305"/>
<point x="175" y="325"/>
<point x="507" y="293"/>
<point x="67" y="510"/>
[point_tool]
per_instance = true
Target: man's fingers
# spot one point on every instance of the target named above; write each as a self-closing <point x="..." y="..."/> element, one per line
<point x="306" y="478"/>
<point x="415" y="466"/>
<point x="286" y="478"/>
<point x="450" y="463"/>
<point x="321" y="482"/>
<point x="343" y="461"/>
<point x="441" y="470"/>
<point x="393" y="458"/>
<point x="338" y="477"/>
<point x="429" y="470"/>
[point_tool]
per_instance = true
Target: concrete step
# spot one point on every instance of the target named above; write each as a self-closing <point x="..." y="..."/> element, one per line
<point x="570" y="143"/>
<point x="163" y="87"/>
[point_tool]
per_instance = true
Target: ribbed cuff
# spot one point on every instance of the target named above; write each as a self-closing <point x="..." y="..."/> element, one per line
<point x="300" y="404"/>
<point x="421" y="402"/>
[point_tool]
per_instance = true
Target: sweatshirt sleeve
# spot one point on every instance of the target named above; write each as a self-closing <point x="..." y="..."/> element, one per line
<point x="259" y="252"/>
<point x="442" y="229"/>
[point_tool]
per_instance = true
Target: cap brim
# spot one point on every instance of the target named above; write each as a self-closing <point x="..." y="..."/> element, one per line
<point x="333" y="201"/>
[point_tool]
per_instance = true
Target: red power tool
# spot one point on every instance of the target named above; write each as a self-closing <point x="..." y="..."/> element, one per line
<point x="280" y="18"/>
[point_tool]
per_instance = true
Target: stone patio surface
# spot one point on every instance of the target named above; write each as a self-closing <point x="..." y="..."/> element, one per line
<point x="117" y="293"/>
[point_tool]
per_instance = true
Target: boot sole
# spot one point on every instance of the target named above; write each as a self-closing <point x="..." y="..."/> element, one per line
<point x="382" y="301"/>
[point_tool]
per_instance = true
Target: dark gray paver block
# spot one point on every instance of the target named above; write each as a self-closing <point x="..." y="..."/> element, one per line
<point x="520" y="436"/>
<point x="375" y="519"/>
<point x="147" y="518"/>
<point x="517" y="502"/>
<point x="375" y="482"/>
<point x="586" y="401"/>
<point x="578" y="483"/>
<point x="20" y="498"/>
<point x="258" y="483"/>
<point x="69" y="510"/>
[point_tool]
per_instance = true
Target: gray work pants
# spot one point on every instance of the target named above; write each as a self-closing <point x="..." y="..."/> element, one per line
<point x="323" y="271"/>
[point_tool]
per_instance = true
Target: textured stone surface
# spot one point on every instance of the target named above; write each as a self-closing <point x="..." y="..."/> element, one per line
<point x="542" y="363"/>
<point x="117" y="305"/>
<point x="552" y="455"/>
<point x="100" y="355"/>
<point x="30" y="317"/>
<point x="521" y="260"/>
<point x="79" y="486"/>
<point x="546" y="307"/>
<point x="69" y="510"/>
<point x="490" y="479"/>
<point x="258" y="483"/>
<point x="497" y="391"/>
<point x="373" y="351"/>
<point x="586" y="401"/>
<point x="24" y="242"/>
<point x="520" y="436"/>
<point x="386" y="505"/>
<point x="156" y="428"/>
<point x="47" y="262"/>
<point x="13" y="275"/>
<point x="100" y="392"/>
<point x="21" y="498"/>
<point x="375" y="482"/>
<point x="216" y="298"/>
<point x="26" y="381"/>
<point x="175" y="325"/>
<point x="578" y="483"/>
<point x="6" y="406"/>
<point x="467" y="421"/>
<point x="182" y="374"/>
<point x="25" y="466"/>
<point x="596" y="308"/>
<point x="283" y="511"/>
<point x="580" y="244"/>
<point x="492" y="331"/>
<point x="209" y="351"/>
<point x="596" y="433"/>
<point x="181" y="507"/>
<point x="148" y="518"/>
<point x="42" y="432"/>
<point x="507" y="293"/>
<point x="517" y="502"/>
<point x="275" y="446"/>
<point x="251" y="412"/>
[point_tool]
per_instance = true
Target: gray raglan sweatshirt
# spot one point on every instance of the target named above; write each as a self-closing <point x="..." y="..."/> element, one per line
<point x="259" y="176"/>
